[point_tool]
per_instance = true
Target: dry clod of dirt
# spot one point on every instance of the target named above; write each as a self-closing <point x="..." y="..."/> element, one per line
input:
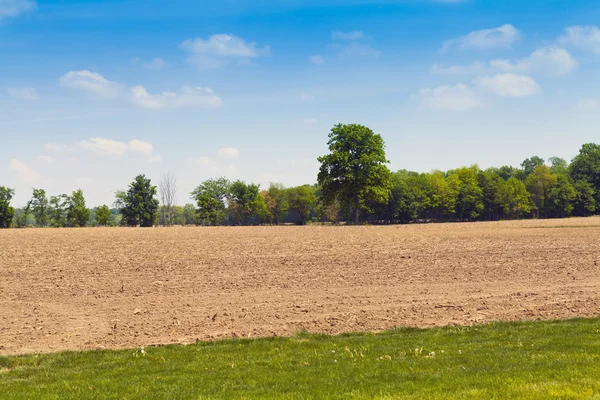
<point x="66" y="289"/>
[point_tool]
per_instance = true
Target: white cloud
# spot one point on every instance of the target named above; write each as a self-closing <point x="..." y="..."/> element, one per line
<point x="138" y="146"/>
<point x="109" y="147"/>
<point x="508" y="85"/>
<point x="90" y="82"/>
<point x="201" y="161"/>
<point x="455" y="98"/>
<point x="304" y="96"/>
<point x="13" y="8"/>
<point x="56" y="147"/>
<point x="358" y="50"/>
<point x="310" y="121"/>
<point x="317" y="59"/>
<point x="23" y="93"/>
<point x="502" y="36"/>
<point x="24" y="172"/>
<point x="45" y="159"/>
<point x="104" y="146"/>
<point x="195" y="97"/>
<point x="352" y="35"/>
<point x="228" y="153"/>
<point x="582" y="37"/>
<point x="552" y="61"/>
<point x="472" y="69"/>
<point x="156" y="64"/>
<point x="217" y="49"/>
<point x="588" y="104"/>
<point x="85" y="181"/>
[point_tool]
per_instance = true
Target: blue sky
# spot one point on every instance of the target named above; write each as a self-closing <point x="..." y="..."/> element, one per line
<point x="94" y="92"/>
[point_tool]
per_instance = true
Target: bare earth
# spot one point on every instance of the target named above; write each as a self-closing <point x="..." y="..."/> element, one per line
<point x="112" y="288"/>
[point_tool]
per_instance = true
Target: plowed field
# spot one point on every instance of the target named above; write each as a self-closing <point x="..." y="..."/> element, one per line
<point x="116" y="287"/>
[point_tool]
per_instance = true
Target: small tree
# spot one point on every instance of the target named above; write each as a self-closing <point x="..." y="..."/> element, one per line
<point x="7" y="212"/>
<point x="103" y="215"/>
<point x="210" y="197"/>
<point x="167" y="189"/>
<point x="277" y="202"/>
<point x="302" y="199"/>
<point x="39" y="207"/>
<point x="78" y="214"/>
<point x="138" y="205"/>
<point x="243" y="200"/>
<point x="354" y="172"/>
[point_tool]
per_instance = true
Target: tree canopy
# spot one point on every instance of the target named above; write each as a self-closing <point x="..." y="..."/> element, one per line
<point x="354" y="172"/>
<point x="138" y="205"/>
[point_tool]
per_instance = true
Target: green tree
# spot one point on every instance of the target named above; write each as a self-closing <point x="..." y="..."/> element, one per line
<point x="530" y="164"/>
<point x="584" y="203"/>
<point x="138" y="206"/>
<point x="7" y="212"/>
<point x="57" y="210"/>
<point x="561" y="196"/>
<point x="586" y="166"/>
<point x="492" y="185"/>
<point x="103" y="215"/>
<point x="558" y="166"/>
<point x="78" y="214"/>
<point x="39" y="207"/>
<point x="210" y="197"/>
<point x="189" y="214"/>
<point x="469" y="204"/>
<point x="538" y="184"/>
<point x="277" y="202"/>
<point x="243" y="200"/>
<point x="302" y="200"/>
<point x="516" y="200"/>
<point x="354" y="172"/>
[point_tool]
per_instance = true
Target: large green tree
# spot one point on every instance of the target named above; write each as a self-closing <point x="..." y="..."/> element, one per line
<point x="277" y="200"/>
<point x="7" y="212"/>
<point x="211" y="197"/>
<point x="138" y="205"/>
<point x="355" y="171"/>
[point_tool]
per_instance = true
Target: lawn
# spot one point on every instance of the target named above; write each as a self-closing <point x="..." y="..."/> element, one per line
<point x="530" y="360"/>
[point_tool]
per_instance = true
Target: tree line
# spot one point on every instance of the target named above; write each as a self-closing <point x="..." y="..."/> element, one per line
<point x="354" y="184"/>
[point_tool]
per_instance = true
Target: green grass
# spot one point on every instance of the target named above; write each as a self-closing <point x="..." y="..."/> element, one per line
<point x="530" y="360"/>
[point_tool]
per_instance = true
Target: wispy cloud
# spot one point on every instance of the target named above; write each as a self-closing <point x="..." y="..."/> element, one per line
<point x="582" y="37"/>
<point x="549" y="61"/>
<point x="219" y="49"/>
<point x="13" y="8"/>
<point x="192" y="97"/>
<point x="352" y="35"/>
<point x="109" y="147"/>
<point x="24" y="172"/>
<point x="508" y="85"/>
<point x="454" y="98"/>
<point x="230" y="153"/>
<point x="317" y="59"/>
<point x="358" y="50"/>
<point x="502" y="36"/>
<point x="23" y="93"/>
<point x="156" y="64"/>
<point x="91" y="83"/>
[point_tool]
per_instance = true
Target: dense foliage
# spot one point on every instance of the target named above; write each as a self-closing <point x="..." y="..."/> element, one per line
<point x="355" y="185"/>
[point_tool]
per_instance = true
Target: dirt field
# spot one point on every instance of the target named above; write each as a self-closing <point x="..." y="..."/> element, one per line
<point x="112" y="288"/>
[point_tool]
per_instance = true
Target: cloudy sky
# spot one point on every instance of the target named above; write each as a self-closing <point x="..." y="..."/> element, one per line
<point x="94" y="92"/>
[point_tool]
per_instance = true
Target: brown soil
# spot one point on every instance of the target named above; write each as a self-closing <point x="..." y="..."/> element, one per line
<point x="112" y="288"/>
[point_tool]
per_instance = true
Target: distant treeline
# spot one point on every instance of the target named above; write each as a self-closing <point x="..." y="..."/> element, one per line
<point x="347" y="191"/>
